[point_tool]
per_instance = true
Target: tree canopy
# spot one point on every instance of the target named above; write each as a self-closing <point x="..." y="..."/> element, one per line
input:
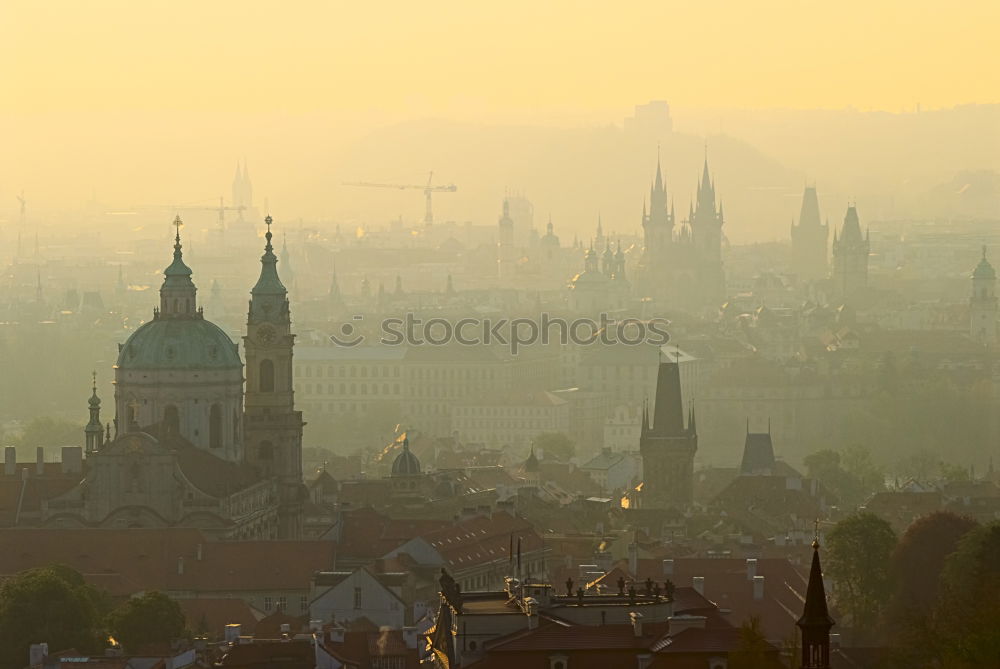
<point x="968" y="613"/>
<point x="152" y="618"/>
<point x="916" y="567"/>
<point x="46" y="604"/>
<point x="859" y="549"/>
<point x="555" y="445"/>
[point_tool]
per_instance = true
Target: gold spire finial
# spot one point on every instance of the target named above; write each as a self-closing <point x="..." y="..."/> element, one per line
<point x="815" y="543"/>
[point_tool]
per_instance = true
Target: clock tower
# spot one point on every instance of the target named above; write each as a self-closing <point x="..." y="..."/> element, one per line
<point x="273" y="427"/>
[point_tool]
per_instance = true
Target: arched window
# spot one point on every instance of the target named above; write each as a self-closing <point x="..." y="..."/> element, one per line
<point x="171" y="420"/>
<point x="215" y="427"/>
<point x="266" y="376"/>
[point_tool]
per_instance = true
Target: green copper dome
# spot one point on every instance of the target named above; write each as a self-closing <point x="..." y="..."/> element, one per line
<point x="984" y="270"/>
<point x="179" y="343"/>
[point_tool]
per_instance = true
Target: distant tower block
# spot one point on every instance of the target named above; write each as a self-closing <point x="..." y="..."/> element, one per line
<point x="983" y="303"/>
<point x="505" y="243"/>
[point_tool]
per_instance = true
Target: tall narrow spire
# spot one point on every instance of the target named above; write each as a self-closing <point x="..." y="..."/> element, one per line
<point x="94" y="432"/>
<point x="658" y="183"/>
<point x="269" y="299"/>
<point x="815" y="622"/>
<point x="178" y="292"/>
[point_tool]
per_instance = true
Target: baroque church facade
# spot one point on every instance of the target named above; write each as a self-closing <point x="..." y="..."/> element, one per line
<point x="681" y="263"/>
<point x="192" y="445"/>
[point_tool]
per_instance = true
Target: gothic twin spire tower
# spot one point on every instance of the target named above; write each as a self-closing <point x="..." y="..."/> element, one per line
<point x="681" y="265"/>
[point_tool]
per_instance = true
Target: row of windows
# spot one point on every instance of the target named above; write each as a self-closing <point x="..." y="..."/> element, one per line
<point x="282" y="603"/>
<point x="429" y="373"/>
<point x="502" y="411"/>
<point x="346" y="370"/>
<point x="505" y="424"/>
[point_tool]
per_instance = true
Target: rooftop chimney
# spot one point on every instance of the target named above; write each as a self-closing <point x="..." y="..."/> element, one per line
<point x="751" y="568"/>
<point x="9" y="461"/>
<point x="636" y="619"/>
<point x="199" y="552"/>
<point x="315" y="626"/>
<point x="232" y="633"/>
<point x="37" y="653"/>
<point x="758" y="587"/>
<point x="286" y="628"/>
<point x="337" y="634"/>
<point x="698" y="583"/>
<point x="40" y="460"/>
<point x="180" y="566"/>
<point x="668" y="567"/>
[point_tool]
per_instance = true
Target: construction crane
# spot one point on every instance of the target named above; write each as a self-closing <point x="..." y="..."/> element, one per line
<point x="428" y="189"/>
<point x="222" y="209"/>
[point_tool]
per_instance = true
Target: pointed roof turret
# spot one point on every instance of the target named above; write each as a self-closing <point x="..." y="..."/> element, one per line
<point x="851" y="231"/>
<point x="178" y="292"/>
<point x="658" y="182"/>
<point x="269" y="299"/>
<point x="809" y="216"/>
<point x="94" y="431"/>
<point x="531" y="464"/>
<point x="268" y="282"/>
<point x="984" y="270"/>
<point x="177" y="272"/>
<point x="94" y="400"/>
<point x="668" y="410"/>
<point x="815" y="612"/>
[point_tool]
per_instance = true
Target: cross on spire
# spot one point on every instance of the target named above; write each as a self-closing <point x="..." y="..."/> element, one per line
<point x="177" y="224"/>
<point x="93" y="376"/>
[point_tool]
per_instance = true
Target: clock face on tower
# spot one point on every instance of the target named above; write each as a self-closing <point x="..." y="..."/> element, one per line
<point x="266" y="335"/>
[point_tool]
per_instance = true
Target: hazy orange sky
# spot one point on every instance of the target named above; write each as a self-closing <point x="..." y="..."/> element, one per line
<point x="511" y="59"/>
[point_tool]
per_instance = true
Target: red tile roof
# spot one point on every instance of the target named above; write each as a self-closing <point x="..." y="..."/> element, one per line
<point x="367" y="534"/>
<point x="483" y="539"/>
<point x="140" y="559"/>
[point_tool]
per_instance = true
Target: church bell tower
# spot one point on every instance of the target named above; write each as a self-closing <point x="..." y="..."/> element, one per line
<point x="273" y="427"/>
<point x="667" y="447"/>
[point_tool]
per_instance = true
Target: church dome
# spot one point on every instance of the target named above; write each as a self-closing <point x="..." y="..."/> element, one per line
<point x="179" y="343"/>
<point x="406" y="463"/>
<point x="984" y="270"/>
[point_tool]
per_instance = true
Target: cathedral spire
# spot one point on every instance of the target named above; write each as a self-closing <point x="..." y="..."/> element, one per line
<point x="658" y="184"/>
